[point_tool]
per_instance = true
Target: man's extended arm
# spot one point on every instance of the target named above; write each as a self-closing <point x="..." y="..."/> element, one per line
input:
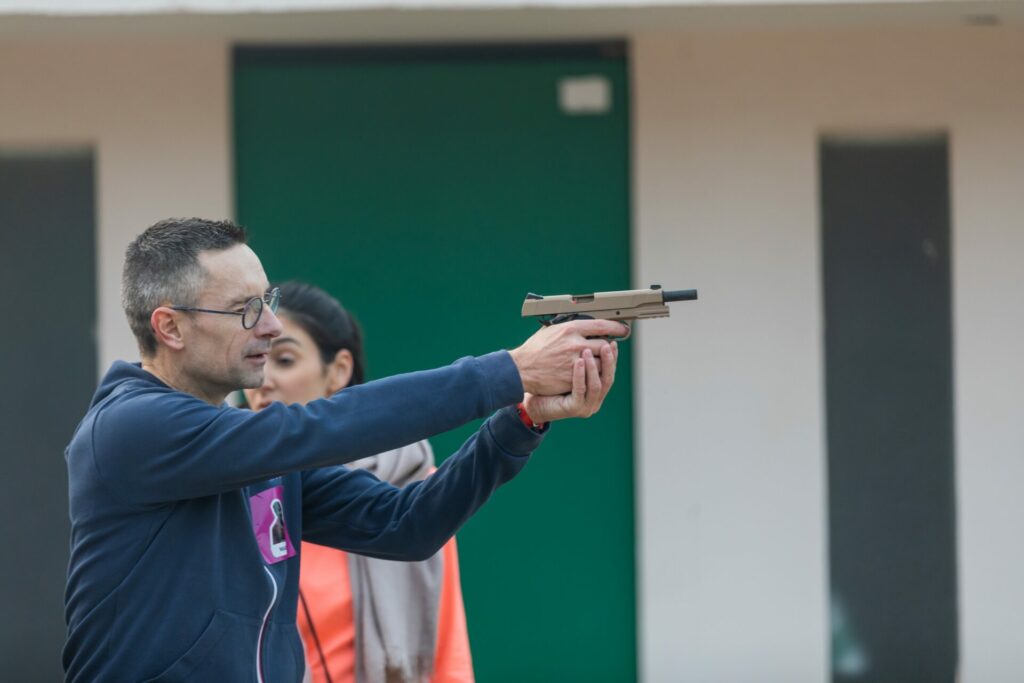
<point x="155" y="445"/>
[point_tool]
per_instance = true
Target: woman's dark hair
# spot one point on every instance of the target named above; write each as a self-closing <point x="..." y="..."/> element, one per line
<point x="327" y="322"/>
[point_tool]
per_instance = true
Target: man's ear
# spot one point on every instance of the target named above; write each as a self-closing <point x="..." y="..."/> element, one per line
<point x="339" y="371"/>
<point x="164" y="322"/>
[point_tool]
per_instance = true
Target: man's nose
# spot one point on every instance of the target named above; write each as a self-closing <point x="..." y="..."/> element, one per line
<point x="269" y="324"/>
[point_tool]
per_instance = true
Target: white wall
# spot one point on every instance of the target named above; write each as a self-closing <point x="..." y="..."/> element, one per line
<point x="87" y="7"/>
<point x="157" y="118"/>
<point x="732" y="499"/>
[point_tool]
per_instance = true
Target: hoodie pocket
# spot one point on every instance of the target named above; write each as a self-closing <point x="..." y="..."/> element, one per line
<point x="196" y="664"/>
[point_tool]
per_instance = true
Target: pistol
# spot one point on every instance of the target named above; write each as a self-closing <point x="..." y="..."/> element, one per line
<point x="625" y="306"/>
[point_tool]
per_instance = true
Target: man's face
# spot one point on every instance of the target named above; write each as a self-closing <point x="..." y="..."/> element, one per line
<point x="219" y="354"/>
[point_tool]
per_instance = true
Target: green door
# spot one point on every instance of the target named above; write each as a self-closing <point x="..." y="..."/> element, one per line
<point x="430" y="191"/>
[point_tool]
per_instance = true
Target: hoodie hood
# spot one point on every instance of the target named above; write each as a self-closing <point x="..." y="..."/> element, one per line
<point x="119" y="373"/>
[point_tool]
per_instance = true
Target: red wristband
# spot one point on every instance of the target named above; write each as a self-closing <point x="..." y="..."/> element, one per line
<point x="527" y="420"/>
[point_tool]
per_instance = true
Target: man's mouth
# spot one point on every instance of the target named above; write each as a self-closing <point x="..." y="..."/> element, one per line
<point x="259" y="357"/>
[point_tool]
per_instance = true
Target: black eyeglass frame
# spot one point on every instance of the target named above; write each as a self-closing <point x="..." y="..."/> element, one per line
<point x="271" y="299"/>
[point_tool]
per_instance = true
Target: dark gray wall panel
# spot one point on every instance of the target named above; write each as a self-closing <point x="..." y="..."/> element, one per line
<point x="886" y="249"/>
<point x="47" y="276"/>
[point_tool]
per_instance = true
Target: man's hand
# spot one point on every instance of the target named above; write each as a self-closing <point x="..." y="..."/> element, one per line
<point x="546" y="360"/>
<point x="589" y="387"/>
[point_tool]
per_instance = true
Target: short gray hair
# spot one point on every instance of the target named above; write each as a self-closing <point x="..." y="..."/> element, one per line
<point x="161" y="266"/>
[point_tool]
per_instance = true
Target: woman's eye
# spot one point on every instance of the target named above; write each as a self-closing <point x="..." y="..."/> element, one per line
<point x="285" y="361"/>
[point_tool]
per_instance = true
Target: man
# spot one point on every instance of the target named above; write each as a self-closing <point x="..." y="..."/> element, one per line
<point x="187" y="515"/>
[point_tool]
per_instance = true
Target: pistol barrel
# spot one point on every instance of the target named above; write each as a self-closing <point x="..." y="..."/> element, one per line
<point x="680" y="295"/>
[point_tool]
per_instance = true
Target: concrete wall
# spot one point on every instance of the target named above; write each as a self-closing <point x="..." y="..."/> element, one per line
<point x="733" y="557"/>
<point x="156" y="116"/>
<point x="734" y="576"/>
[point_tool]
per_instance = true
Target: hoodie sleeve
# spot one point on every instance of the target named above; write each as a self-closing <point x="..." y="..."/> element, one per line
<point x="354" y="511"/>
<point x="156" y="445"/>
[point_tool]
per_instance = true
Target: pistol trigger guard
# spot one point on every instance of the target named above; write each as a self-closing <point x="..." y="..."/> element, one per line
<point x="567" y="317"/>
<point x="629" y="332"/>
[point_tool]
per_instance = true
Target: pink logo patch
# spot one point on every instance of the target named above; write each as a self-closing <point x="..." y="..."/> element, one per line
<point x="268" y="524"/>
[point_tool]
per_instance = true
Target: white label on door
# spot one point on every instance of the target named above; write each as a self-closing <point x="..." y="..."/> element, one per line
<point x="585" y="95"/>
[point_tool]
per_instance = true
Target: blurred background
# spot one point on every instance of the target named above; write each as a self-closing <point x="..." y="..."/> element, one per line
<point x="810" y="474"/>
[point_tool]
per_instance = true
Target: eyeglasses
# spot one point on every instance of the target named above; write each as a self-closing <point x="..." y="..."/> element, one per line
<point x="250" y="313"/>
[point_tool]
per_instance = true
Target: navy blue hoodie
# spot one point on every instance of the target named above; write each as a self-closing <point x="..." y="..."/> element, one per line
<point x="186" y="517"/>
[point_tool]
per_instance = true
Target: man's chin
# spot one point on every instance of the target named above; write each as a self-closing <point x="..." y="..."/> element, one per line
<point x="251" y="379"/>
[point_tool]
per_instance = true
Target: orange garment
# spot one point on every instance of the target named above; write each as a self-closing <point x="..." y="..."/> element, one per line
<point x="324" y="584"/>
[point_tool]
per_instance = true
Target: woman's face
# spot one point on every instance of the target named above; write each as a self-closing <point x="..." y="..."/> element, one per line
<point x="295" y="372"/>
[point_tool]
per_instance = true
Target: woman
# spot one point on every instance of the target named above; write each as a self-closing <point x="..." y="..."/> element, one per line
<point x="363" y="619"/>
